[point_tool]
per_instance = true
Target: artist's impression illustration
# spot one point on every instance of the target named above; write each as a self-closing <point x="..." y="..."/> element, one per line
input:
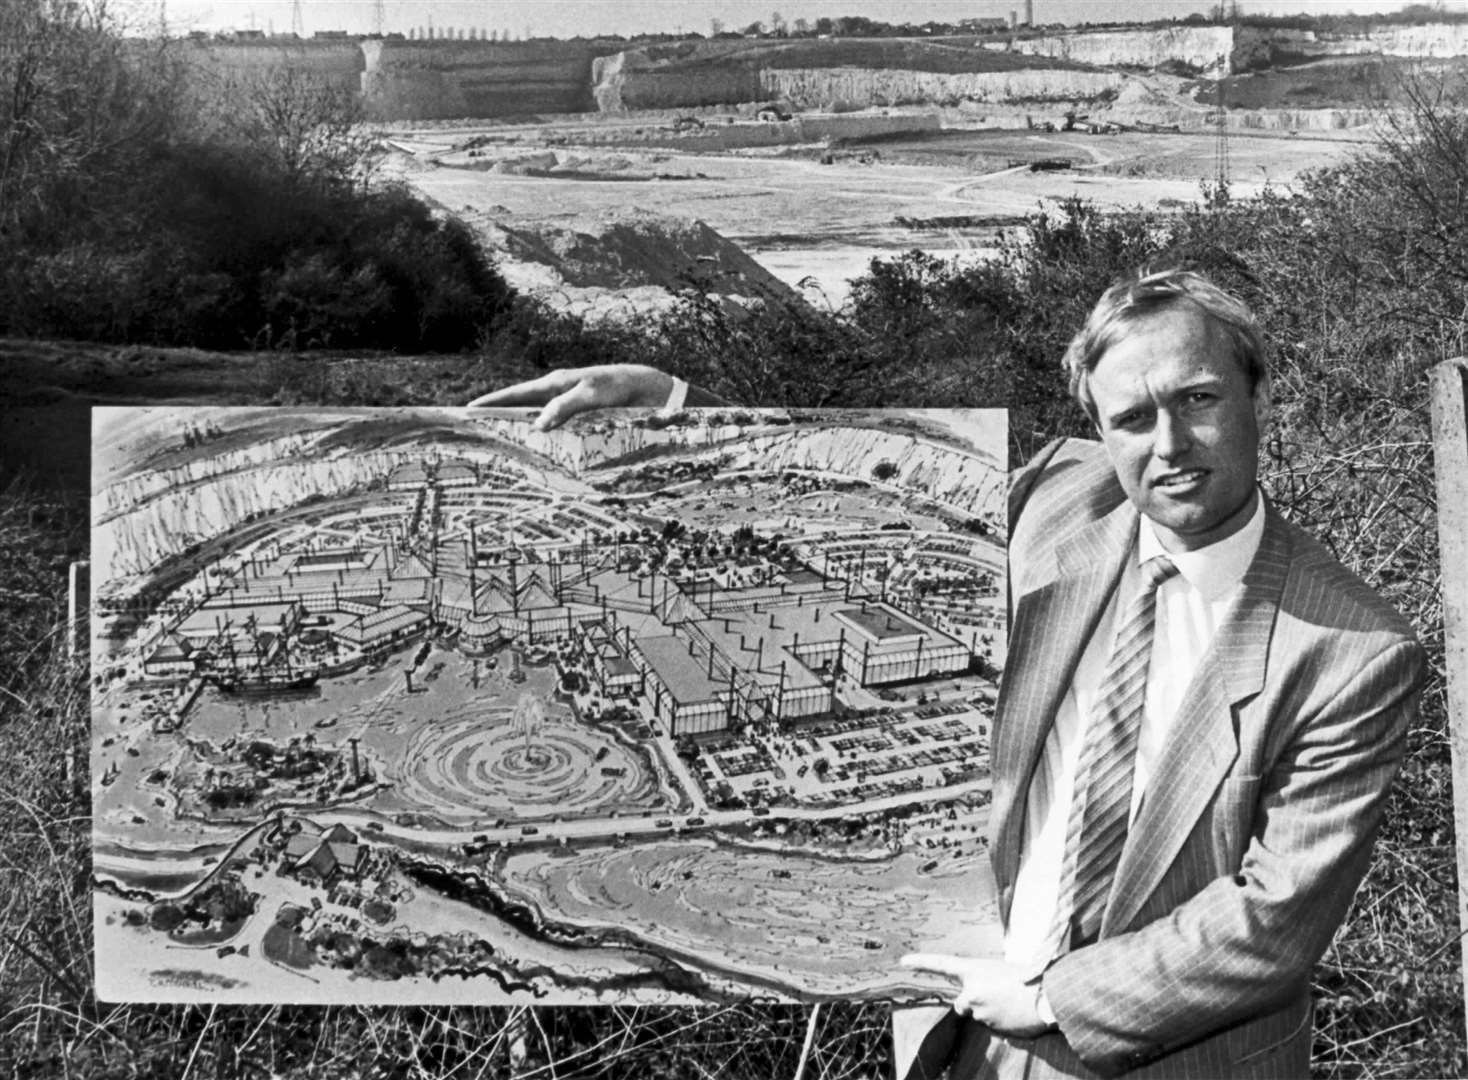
<point x="427" y="705"/>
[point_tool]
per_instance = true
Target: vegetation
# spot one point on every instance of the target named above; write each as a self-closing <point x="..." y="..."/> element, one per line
<point x="1232" y="12"/>
<point x="139" y="202"/>
<point x="134" y="218"/>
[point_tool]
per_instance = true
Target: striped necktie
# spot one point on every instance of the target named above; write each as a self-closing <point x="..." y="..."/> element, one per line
<point x="1101" y="808"/>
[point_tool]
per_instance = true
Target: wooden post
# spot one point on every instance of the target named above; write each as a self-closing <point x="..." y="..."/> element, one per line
<point x="1450" y="452"/>
<point x="78" y="604"/>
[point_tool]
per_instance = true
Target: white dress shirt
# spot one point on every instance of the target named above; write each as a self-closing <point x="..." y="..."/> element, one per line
<point x="1190" y="607"/>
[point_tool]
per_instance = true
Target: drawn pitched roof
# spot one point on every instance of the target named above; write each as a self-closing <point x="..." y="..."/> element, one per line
<point x="410" y="472"/>
<point x="383" y="623"/>
<point x="680" y="609"/>
<point x="493" y="597"/>
<point x="174" y="648"/>
<point x="302" y="844"/>
<point x="410" y="566"/>
<point x="456" y="472"/>
<point x="535" y="594"/>
<point x="328" y="858"/>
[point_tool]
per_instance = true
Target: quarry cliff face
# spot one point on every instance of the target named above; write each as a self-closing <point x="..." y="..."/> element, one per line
<point x="429" y="80"/>
<point x="634" y="80"/>
<point x="936" y="472"/>
<point x="338" y="64"/>
<point x="1434" y="41"/>
<point x="973" y="485"/>
<point x="441" y="79"/>
<point x="1222" y="50"/>
<point x="1206" y="48"/>
<point x="862" y="88"/>
<point x="147" y="518"/>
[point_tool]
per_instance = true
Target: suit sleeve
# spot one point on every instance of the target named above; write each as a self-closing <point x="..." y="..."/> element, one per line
<point x="1247" y="941"/>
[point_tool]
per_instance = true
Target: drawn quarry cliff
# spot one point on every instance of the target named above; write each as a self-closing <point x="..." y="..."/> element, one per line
<point x="426" y="705"/>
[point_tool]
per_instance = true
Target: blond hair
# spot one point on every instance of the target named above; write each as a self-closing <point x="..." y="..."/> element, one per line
<point x="1127" y="302"/>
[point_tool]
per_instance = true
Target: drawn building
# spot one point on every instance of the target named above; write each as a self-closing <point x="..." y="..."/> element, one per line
<point x="525" y="603"/>
<point x="682" y="692"/>
<point x="480" y="634"/>
<point x="882" y="645"/>
<point x="455" y="474"/>
<point x="383" y="629"/>
<point x="240" y="626"/>
<point x="408" y="476"/>
<point x="608" y="654"/>
<point x="324" y="858"/>
<point x="174" y="657"/>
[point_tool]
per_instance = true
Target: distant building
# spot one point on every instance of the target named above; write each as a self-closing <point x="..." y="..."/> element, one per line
<point x="982" y="26"/>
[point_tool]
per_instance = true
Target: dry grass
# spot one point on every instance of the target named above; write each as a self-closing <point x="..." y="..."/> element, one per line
<point x="1351" y="458"/>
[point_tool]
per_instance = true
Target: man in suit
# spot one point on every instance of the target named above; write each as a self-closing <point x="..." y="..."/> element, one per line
<point x="1200" y="718"/>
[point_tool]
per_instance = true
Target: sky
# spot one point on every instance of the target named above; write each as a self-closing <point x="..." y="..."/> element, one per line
<point x="588" y="18"/>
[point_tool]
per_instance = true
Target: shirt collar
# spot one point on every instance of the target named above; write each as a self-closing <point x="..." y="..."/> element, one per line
<point x="1213" y="570"/>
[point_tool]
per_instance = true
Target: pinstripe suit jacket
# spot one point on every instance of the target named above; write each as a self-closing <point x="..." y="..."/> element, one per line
<point x="1258" y="824"/>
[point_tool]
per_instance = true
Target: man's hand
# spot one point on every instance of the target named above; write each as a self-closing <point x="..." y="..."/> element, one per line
<point x="991" y="991"/>
<point x="570" y="391"/>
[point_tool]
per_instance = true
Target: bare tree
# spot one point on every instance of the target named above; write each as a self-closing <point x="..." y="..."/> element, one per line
<point x="306" y="125"/>
<point x="78" y="105"/>
<point x="1423" y="150"/>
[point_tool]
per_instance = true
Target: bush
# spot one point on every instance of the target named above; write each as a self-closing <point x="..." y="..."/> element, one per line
<point x="225" y="217"/>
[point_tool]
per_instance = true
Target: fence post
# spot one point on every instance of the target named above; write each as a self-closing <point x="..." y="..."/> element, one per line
<point x="78" y="608"/>
<point x="1450" y="453"/>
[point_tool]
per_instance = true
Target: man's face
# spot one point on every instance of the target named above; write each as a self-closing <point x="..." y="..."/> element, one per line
<point x="1176" y="415"/>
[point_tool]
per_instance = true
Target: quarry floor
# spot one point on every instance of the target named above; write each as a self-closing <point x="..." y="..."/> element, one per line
<point x="816" y="225"/>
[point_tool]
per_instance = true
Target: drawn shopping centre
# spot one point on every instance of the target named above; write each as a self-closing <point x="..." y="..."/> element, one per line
<point x="479" y="557"/>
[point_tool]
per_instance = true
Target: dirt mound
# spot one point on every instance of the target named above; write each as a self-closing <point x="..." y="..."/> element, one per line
<point x="626" y="263"/>
<point x="526" y="164"/>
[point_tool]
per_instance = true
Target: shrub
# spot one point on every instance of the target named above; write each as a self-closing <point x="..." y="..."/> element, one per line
<point x="196" y="222"/>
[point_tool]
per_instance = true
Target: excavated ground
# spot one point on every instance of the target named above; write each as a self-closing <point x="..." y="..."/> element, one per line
<point x="814" y="216"/>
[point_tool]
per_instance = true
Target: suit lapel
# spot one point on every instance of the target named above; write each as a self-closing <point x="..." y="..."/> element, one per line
<point x="1051" y="627"/>
<point x="1203" y="741"/>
